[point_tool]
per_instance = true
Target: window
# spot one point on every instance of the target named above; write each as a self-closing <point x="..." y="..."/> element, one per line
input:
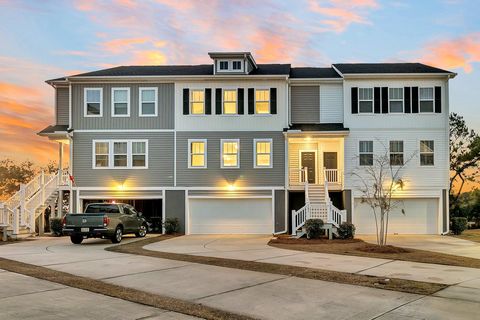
<point x="120" y="154"/>
<point x="395" y="97"/>
<point x="197" y="104"/>
<point x="365" y="100"/>
<point x="223" y="65"/>
<point x="148" y="102"/>
<point x="427" y="152"/>
<point x="229" y="101"/>
<point x="120" y="102"/>
<point x="366" y="153"/>
<point x="396" y="153"/>
<point x="237" y="65"/>
<point x="230" y="153"/>
<point x="262" y="101"/>
<point x="139" y="154"/>
<point x="426" y="99"/>
<point x="101" y="154"/>
<point x="126" y="154"/>
<point x="263" y="153"/>
<point x="197" y="154"/>
<point x="93" y="102"/>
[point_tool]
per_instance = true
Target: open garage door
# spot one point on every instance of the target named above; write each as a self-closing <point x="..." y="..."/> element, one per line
<point x="420" y="217"/>
<point x="230" y="216"/>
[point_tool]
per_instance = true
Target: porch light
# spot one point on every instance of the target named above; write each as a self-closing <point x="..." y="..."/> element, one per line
<point x="398" y="184"/>
<point x="231" y="187"/>
<point x="308" y="138"/>
<point x="121" y="187"/>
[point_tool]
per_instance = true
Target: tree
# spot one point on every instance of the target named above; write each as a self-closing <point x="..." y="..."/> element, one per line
<point x="464" y="155"/>
<point x="378" y="184"/>
<point x="12" y="175"/>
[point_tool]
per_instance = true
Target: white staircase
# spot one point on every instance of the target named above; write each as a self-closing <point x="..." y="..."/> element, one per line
<point x="18" y="214"/>
<point x="317" y="206"/>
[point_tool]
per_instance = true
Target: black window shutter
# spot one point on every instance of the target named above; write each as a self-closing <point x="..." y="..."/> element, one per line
<point x="384" y="99"/>
<point x="251" y="101"/>
<point x="376" y="99"/>
<point x="186" y="101"/>
<point x="273" y="100"/>
<point x="241" y="102"/>
<point x="218" y="101"/>
<point x="414" y="99"/>
<point x="406" y="99"/>
<point x="438" y="99"/>
<point x="354" y="100"/>
<point x="208" y="101"/>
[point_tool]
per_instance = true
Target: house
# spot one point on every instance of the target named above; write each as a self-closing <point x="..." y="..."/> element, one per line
<point x="240" y="147"/>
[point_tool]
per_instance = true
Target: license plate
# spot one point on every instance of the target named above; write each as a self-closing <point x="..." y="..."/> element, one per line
<point x="85" y="229"/>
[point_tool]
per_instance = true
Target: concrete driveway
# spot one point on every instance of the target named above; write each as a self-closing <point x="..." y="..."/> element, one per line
<point x="436" y="243"/>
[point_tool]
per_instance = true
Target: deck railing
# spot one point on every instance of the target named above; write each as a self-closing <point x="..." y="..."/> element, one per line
<point x="297" y="177"/>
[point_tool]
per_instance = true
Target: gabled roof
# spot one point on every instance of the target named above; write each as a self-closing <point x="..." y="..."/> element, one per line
<point x="378" y="68"/>
<point x="309" y="72"/>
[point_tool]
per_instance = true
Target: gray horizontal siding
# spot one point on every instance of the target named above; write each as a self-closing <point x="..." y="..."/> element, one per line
<point x="127" y="194"/>
<point x="160" y="162"/>
<point x="164" y="119"/>
<point x="305" y="104"/>
<point x="62" y="105"/>
<point x="245" y="176"/>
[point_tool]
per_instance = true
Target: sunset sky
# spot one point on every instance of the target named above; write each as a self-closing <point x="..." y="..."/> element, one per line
<point x="40" y="40"/>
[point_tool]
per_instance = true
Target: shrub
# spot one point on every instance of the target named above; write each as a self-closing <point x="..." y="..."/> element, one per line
<point x="346" y="230"/>
<point x="314" y="228"/>
<point x="172" y="225"/>
<point x="459" y="224"/>
<point x="56" y="226"/>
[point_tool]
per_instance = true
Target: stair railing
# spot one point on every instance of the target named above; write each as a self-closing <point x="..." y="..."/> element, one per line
<point x="299" y="217"/>
<point x="47" y="188"/>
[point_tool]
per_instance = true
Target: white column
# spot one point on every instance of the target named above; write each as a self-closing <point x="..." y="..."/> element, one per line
<point x="60" y="172"/>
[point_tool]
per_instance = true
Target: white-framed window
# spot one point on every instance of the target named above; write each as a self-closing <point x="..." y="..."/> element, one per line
<point x="237" y="65"/>
<point x="93" y="102"/>
<point x="426" y="99"/>
<point x="148" y="102"/>
<point x="197" y="153"/>
<point x="229" y="101"/>
<point x="223" y="65"/>
<point x="427" y="152"/>
<point x="197" y="101"/>
<point x="396" y="153"/>
<point x="365" y="100"/>
<point x="120" y="102"/>
<point x="395" y="100"/>
<point x="120" y="154"/>
<point x="230" y="153"/>
<point x="139" y="154"/>
<point x="263" y="153"/>
<point x="101" y="154"/>
<point x="365" y="151"/>
<point x="262" y="101"/>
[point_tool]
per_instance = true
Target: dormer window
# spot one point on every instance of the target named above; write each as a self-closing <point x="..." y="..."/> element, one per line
<point x="237" y="65"/>
<point x="223" y="65"/>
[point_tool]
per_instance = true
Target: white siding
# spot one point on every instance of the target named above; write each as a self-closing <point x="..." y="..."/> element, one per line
<point x="331" y="103"/>
<point x="245" y="122"/>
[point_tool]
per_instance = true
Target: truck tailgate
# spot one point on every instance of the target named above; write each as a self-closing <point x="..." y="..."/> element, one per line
<point x="84" y="220"/>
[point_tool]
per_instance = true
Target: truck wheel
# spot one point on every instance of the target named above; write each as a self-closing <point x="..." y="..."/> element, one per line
<point x="117" y="236"/>
<point x="76" y="239"/>
<point x="142" y="231"/>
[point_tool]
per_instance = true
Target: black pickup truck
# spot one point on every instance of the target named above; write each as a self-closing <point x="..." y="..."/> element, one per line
<point x="104" y="220"/>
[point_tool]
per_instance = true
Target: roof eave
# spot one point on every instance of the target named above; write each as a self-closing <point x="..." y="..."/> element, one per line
<point x="399" y="75"/>
<point x="179" y="77"/>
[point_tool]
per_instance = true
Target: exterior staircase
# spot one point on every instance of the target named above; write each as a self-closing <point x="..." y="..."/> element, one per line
<point x="19" y="213"/>
<point x="317" y="206"/>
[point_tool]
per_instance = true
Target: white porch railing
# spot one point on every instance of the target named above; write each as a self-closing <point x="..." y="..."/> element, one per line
<point x="297" y="176"/>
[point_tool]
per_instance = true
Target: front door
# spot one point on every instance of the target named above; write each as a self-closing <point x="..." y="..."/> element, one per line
<point x="308" y="160"/>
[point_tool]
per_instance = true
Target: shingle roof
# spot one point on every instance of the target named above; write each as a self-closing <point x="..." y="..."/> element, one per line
<point x="317" y="127"/>
<point x="308" y="72"/>
<point x="53" y="128"/>
<point x="359" y="68"/>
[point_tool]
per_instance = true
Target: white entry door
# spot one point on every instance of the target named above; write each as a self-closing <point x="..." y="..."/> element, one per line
<point x="230" y="216"/>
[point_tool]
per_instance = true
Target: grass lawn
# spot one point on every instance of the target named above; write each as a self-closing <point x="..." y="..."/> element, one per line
<point x="360" y="248"/>
<point x="410" y="286"/>
<point x="471" y="234"/>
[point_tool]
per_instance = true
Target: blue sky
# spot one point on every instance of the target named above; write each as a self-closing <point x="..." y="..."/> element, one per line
<point x="46" y="39"/>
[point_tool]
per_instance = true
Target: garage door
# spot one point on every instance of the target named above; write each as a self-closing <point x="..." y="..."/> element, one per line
<point x="420" y="217"/>
<point x="227" y="216"/>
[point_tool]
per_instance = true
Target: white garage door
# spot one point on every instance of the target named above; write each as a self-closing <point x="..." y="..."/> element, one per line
<point x="420" y="217"/>
<point x="240" y="216"/>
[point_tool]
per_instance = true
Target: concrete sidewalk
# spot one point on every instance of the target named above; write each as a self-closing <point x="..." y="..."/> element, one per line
<point x="261" y="295"/>
<point x="255" y="248"/>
